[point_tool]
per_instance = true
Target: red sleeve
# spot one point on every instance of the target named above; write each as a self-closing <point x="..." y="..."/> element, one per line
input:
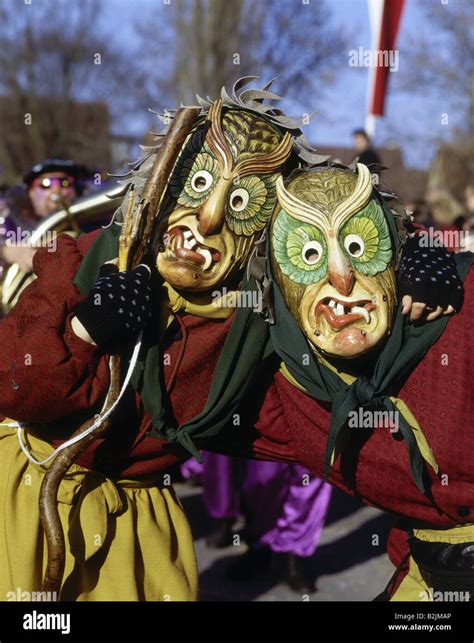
<point x="279" y="434"/>
<point x="46" y="371"/>
<point x="274" y="440"/>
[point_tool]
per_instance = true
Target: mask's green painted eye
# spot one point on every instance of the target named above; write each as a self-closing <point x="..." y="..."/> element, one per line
<point x="312" y="252"/>
<point x="193" y="181"/>
<point x="195" y="173"/>
<point x="201" y="181"/>
<point x="250" y="204"/>
<point x="354" y="245"/>
<point x="366" y="240"/>
<point x="300" y="250"/>
<point x="239" y="199"/>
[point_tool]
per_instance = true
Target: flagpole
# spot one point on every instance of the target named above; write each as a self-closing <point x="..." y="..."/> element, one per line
<point x="370" y="121"/>
<point x="375" y="8"/>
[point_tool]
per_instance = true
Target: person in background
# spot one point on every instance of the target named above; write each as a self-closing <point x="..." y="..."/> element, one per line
<point x="363" y="148"/>
<point x="284" y="507"/>
<point x="47" y="187"/>
<point x="219" y="476"/>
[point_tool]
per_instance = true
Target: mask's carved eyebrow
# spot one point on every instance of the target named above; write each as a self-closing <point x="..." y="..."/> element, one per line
<point x="318" y="216"/>
<point x="357" y="200"/>
<point x="266" y="163"/>
<point x="216" y="140"/>
<point x="300" y="210"/>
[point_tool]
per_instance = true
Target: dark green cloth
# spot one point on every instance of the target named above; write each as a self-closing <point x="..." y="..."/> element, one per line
<point x="403" y="350"/>
<point x="245" y="346"/>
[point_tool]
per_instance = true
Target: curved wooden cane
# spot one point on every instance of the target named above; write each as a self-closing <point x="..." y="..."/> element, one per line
<point x="134" y="240"/>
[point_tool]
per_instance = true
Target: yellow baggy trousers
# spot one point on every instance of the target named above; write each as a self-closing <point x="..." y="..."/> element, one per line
<point x="125" y="541"/>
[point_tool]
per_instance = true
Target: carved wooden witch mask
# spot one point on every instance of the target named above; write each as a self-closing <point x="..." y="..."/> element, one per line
<point x="221" y="194"/>
<point x="333" y="258"/>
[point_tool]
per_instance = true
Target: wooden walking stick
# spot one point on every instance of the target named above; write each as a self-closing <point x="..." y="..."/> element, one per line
<point x="134" y="239"/>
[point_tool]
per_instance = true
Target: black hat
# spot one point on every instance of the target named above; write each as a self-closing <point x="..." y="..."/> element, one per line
<point x="75" y="170"/>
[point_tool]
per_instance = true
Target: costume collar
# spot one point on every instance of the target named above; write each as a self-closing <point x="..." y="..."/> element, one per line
<point x="202" y="305"/>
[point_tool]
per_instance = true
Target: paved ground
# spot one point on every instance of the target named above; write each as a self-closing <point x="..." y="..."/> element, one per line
<point x="349" y="564"/>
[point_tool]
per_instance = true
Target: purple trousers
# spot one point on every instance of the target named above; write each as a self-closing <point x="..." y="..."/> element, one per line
<point x="219" y="476"/>
<point x="284" y="505"/>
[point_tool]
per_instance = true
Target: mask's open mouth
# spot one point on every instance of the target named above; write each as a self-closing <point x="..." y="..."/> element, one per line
<point x="340" y="314"/>
<point x="182" y="243"/>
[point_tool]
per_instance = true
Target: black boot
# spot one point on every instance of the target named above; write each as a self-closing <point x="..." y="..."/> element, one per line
<point x="294" y="571"/>
<point x="221" y="535"/>
<point x="254" y="563"/>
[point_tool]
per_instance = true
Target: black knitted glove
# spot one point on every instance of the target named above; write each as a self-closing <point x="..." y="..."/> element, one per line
<point x="118" y="305"/>
<point x="429" y="276"/>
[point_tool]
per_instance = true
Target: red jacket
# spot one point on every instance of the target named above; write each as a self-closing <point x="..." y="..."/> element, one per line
<point x="49" y="375"/>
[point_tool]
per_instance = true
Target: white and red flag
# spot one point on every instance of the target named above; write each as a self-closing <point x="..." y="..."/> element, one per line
<point x="385" y="18"/>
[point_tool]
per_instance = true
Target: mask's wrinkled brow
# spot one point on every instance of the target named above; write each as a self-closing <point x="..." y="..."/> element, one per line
<point x="319" y="217"/>
<point x="266" y="163"/>
<point x="216" y="140"/>
<point x="256" y="163"/>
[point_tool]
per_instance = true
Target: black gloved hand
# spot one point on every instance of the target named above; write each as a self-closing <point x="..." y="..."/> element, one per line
<point x="430" y="278"/>
<point x="118" y="305"/>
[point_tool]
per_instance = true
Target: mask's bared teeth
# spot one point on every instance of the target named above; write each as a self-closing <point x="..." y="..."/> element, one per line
<point x="207" y="256"/>
<point x="187" y="234"/>
<point x="361" y="311"/>
<point x="175" y="242"/>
